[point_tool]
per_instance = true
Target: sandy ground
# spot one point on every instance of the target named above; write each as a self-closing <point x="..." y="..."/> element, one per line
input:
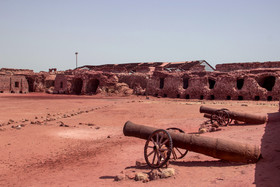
<point x="93" y="149"/>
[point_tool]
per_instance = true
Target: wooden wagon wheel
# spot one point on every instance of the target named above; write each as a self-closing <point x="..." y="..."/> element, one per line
<point x="158" y="148"/>
<point x="225" y="109"/>
<point x="221" y="116"/>
<point x="178" y="153"/>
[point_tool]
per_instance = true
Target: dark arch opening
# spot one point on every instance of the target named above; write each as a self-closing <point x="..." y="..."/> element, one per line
<point x="30" y="82"/>
<point x="185" y="83"/>
<point x="178" y="96"/>
<point x="212" y="97"/>
<point x="240" y="97"/>
<point x="211" y="83"/>
<point x="78" y="85"/>
<point x="257" y="98"/>
<point x="156" y="95"/>
<point x="164" y="95"/>
<point x="267" y="82"/>
<point x="61" y="84"/>
<point x="240" y="83"/>
<point x="161" y="83"/>
<point x="92" y="86"/>
<point x="201" y="97"/>
<point x="187" y="96"/>
<point x="269" y="98"/>
<point x="228" y="97"/>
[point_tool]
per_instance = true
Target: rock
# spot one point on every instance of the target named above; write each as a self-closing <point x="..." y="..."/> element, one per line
<point x="16" y="127"/>
<point x="212" y="129"/>
<point x="108" y="136"/>
<point x="130" y="175"/>
<point x="63" y="125"/>
<point x="168" y="172"/>
<point x="215" y="124"/>
<point x="140" y="163"/>
<point x="202" y="130"/>
<point x="97" y="128"/>
<point x="142" y="177"/>
<point x="154" y="175"/>
<point x="91" y="124"/>
<point x="119" y="177"/>
<point x="11" y="121"/>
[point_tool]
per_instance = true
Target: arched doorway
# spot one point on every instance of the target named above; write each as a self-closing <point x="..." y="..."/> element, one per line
<point x="92" y="86"/>
<point x="30" y="82"/>
<point x="78" y="85"/>
<point x="267" y="82"/>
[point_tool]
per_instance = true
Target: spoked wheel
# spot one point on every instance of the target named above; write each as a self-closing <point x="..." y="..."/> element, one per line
<point x="158" y="148"/>
<point x="221" y="116"/>
<point x="225" y="109"/>
<point x="178" y="153"/>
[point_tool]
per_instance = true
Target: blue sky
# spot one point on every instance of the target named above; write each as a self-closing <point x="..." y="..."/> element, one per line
<point x="39" y="35"/>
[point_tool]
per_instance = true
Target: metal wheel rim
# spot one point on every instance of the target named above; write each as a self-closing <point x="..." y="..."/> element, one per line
<point x="178" y="151"/>
<point x="227" y="110"/>
<point x="158" y="148"/>
<point x="221" y="116"/>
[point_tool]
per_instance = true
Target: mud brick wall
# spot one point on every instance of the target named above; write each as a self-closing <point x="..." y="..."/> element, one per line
<point x="246" y="66"/>
<point x="61" y="84"/>
<point x="13" y="84"/>
<point x="243" y="85"/>
<point x="135" y="80"/>
<point x="85" y="82"/>
<point x="5" y="86"/>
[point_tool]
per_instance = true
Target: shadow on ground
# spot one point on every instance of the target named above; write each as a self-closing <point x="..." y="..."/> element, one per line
<point x="216" y="163"/>
<point x="268" y="168"/>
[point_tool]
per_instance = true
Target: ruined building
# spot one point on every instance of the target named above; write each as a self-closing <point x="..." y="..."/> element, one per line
<point x="185" y="80"/>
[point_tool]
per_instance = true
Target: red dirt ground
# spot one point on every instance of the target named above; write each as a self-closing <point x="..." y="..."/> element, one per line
<point x="47" y="154"/>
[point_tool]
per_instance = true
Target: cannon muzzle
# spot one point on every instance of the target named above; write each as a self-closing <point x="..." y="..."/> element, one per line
<point x="240" y="116"/>
<point x="215" y="147"/>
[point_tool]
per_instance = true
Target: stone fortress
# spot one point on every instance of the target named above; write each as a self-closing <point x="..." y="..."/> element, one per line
<point x="185" y="80"/>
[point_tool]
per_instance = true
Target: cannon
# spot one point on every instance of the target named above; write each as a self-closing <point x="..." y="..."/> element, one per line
<point x="160" y="145"/>
<point x="224" y="116"/>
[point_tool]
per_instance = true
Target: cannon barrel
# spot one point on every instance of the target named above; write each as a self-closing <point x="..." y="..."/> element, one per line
<point x="215" y="147"/>
<point x="240" y="116"/>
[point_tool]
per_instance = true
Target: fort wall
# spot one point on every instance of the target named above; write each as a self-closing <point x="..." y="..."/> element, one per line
<point x="185" y="80"/>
